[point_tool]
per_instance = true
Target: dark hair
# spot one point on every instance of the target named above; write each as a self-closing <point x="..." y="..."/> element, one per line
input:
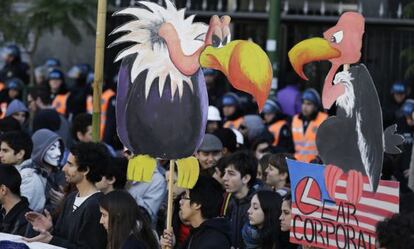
<point x="288" y="198"/>
<point x="228" y="138"/>
<point x="271" y="203"/>
<point x="245" y="163"/>
<point x="260" y="140"/>
<point x="208" y="193"/>
<point x="9" y="124"/>
<point x="80" y="124"/>
<point x="396" y="232"/>
<point x="93" y="157"/>
<point x="278" y="161"/>
<point x="10" y="177"/>
<point x="41" y="92"/>
<point x="125" y="219"/>
<point x="264" y="163"/>
<point x="117" y="169"/>
<point x="18" y="140"/>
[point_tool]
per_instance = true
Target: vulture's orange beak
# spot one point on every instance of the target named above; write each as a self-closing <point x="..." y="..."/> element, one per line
<point x="313" y="49"/>
<point x="245" y="65"/>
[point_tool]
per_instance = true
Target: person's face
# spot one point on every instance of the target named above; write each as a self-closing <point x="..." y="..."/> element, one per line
<point x="20" y="116"/>
<point x="255" y="212"/>
<point x="233" y="182"/>
<point x="105" y="185"/>
<point x="399" y="97"/>
<point x="259" y="172"/>
<point x="9" y="156"/>
<point x="308" y="108"/>
<point x="268" y="117"/>
<point x="261" y="150"/>
<point x="13" y="93"/>
<point x="39" y="79"/>
<point x="55" y="85"/>
<point x="208" y="159"/>
<point x="410" y="120"/>
<point x="72" y="175"/>
<point x="273" y="176"/>
<point x="104" y="218"/>
<point x="187" y="210"/>
<point x="87" y="137"/>
<point x="212" y="126"/>
<point x="177" y="191"/>
<point x="53" y="154"/>
<point x="210" y="80"/>
<point x="229" y="110"/>
<point x="31" y="103"/>
<point x="285" y="217"/>
<point x="3" y="193"/>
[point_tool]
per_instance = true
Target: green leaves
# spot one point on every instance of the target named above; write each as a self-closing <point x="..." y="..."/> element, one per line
<point x="25" y="25"/>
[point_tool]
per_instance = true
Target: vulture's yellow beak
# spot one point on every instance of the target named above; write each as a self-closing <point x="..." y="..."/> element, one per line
<point x="313" y="49"/>
<point x="245" y="65"/>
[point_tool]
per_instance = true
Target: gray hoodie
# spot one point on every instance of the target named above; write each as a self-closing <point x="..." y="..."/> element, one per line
<point x="255" y="126"/>
<point x="42" y="140"/>
<point x="16" y="106"/>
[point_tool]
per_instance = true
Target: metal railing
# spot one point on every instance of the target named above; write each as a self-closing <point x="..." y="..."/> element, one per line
<point x="371" y="8"/>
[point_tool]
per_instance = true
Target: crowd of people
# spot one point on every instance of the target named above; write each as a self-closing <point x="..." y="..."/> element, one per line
<point x="58" y="187"/>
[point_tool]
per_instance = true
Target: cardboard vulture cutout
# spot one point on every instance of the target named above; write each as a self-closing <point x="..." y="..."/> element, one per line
<point x="162" y="98"/>
<point x="350" y="144"/>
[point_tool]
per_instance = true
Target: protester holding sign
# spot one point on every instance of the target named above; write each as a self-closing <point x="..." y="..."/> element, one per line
<point x="200" y="206"/>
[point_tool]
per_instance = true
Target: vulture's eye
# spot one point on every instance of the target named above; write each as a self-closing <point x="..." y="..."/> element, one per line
<point x="216" y="41"/>
<point x="337" y="37"/>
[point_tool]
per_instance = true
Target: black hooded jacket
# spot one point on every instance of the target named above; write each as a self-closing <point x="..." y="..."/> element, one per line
<point x="14" y="222"/>
<point x="237" y="214"/>
<point x="211" y="234"/>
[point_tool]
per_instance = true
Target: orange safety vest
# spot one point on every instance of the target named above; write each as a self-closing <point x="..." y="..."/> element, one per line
<point x="234" y="123"/>
<point x="59" y="103"/>
<point x="305" y="144"/>
<point x="275" y="130"/>
<point x="106" y="96"/>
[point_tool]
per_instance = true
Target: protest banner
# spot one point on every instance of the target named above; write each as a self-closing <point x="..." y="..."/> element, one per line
<point x="322" y="222"/>
<point x="32" y="245"/>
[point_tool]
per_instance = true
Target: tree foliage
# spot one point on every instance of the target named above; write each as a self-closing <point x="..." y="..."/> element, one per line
<point x="39" y="16"/>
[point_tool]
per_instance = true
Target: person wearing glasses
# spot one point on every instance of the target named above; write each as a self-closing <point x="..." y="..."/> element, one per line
<point x="200" y="207"/>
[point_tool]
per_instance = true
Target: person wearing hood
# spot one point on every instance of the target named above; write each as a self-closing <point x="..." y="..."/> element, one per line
<point x="233" y="115"/>
<point x="278" y="125"/>
<point x="200" y="207"/>
<point x="18" y="111"/>
<point x="254" y="129"/>
<point x="305" y="126"/>
<point x="48" y="152"/>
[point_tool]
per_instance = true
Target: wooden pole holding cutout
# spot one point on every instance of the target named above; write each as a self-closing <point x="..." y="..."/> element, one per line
<point x="99" y="64"/>
<point x="170" y="195"/>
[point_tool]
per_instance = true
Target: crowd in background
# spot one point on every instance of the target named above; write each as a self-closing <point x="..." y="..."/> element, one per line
<point x="58" y="187"/>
